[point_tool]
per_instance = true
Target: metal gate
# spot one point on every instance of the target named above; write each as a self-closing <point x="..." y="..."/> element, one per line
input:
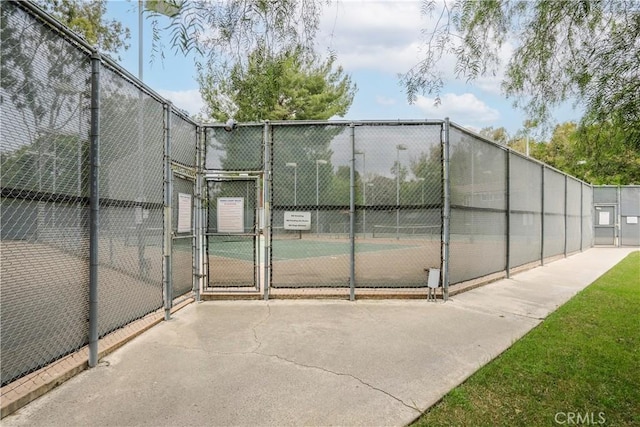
<point x="183" y="267"/>
<point x="233" y="233"/>
<point x="605" y="225"/>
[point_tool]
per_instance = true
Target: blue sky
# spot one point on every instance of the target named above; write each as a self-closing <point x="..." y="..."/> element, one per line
<point x="374" y="41"/>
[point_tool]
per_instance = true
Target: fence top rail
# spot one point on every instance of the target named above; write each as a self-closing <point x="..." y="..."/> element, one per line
<point x="409" y="122"/>
<point x="616" y="186"/>
<point x="514" y="152"/>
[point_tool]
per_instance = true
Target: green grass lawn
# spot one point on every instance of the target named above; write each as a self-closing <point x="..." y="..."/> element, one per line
<point x="581" y="366"/>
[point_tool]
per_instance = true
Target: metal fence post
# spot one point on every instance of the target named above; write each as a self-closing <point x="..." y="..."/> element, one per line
<point x="352" y="215"/>
<point x="581" y="215"/>
<point x="542" y="217"/>
<point x="618" y="219"/>
<point x="446" y="208"/>
<point x="508" y="207"/>
<point x="566" y="203"/>
<point x="266" y="200"/>
<point x="168" y="224"/>
<point x="94" y="215"/>
<point x="199" y="219"/>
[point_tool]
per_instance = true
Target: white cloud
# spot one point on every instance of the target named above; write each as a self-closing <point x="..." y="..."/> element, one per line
<point x="381" y="35"/>
<point x="383" y="100"/>
<point x="188" y="100"/>
<point x="387" y="36"/>
<point x="492" y="83"/>
<point x="464" y="107"/>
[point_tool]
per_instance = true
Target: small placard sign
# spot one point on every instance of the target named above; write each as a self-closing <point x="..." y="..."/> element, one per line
<point x="603" y="218"/>
<point x="230" y="214"/>
<point x="184" y="213"/>
<point x="297" y="220"/>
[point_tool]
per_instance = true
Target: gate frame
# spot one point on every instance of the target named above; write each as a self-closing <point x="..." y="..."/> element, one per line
<point x="258" y="259"/>
<point x="615" y="225"/>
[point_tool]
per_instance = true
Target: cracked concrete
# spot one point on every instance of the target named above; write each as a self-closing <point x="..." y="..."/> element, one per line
<point x="286" y="362"/>
<point x="342" y="374"/>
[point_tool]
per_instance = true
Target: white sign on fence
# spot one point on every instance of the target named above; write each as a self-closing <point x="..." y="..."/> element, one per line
<point x="230" y="214"/>
<point x="184" y="213"/>
<point x="297" y="220"/>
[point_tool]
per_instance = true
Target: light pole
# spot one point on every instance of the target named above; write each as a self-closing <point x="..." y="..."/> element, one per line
<point x="79" y="165"/>
<point x="295" y="181"/>
<point x="399" y="148"/>
<point x="364" y="191"/>
<point x="318" y="163"/>
<point x="421" y="180"/>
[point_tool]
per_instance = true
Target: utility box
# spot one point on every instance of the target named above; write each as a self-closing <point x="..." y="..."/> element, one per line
<point x="433" y="279"/>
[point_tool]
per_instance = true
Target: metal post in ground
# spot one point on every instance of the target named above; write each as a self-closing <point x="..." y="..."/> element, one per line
<point x="94" y="201"/>
<point x="446" y="208"/>
<point x="168" y="224"/>
<point x="266" y="197"/>
<point x="566" y="203"/>
<point x="508" y="207"/>
<point x="581" y="215"/>
<point x="618" y="217"/>
<point x="542" y="216"/>
<point x="199" y="215"/>
<point x="352" y="216"/>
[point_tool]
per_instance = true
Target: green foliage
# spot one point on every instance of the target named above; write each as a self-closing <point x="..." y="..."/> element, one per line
<point x="44" y="76"/>
<point x="54" y="163"/>
<point x="286" y="86"/>
<point x="221" y="33"/>
<point x="87" y="19"/>
<point x="597" y="154"/>
<point x="340" y="187"/>
<point x="499" y="135"/>
<point x="567" y="50"/>
<point x="304" y="145"/>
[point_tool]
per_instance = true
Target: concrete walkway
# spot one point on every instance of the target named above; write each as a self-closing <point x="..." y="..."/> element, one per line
<point x="312" y="363"/>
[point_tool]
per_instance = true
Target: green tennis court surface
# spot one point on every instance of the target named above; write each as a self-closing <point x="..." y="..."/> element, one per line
<point x="283" y="250"/>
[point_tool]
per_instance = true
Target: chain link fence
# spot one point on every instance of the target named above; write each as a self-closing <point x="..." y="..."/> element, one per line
<point x="44" y="178"/>
<point x="478" y="244"/>
<point x="509" y="211"/>
<point x="113" y="201"/>
<point x="131" y="211"/>
<point x="374" y="185"/>
<point x="616" y="215"/>
<point x="84" y="154"/>
<point x="398" y="196"/>
<point x="310" y="221"/>
<point x="234" y="164"/>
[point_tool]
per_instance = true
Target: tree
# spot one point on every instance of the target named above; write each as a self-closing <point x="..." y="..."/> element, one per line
<point x="604" y="155"/>
<point x="221" y="33"/>
<point x="88" y="20"/>
<point x="286" y="86"/>
<point x="581" y="50"/>
<point x="427" y="168"/>
<point x="499" y="135"/>
<point x="45" y="84"/>
<point x="596" y="154"/>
